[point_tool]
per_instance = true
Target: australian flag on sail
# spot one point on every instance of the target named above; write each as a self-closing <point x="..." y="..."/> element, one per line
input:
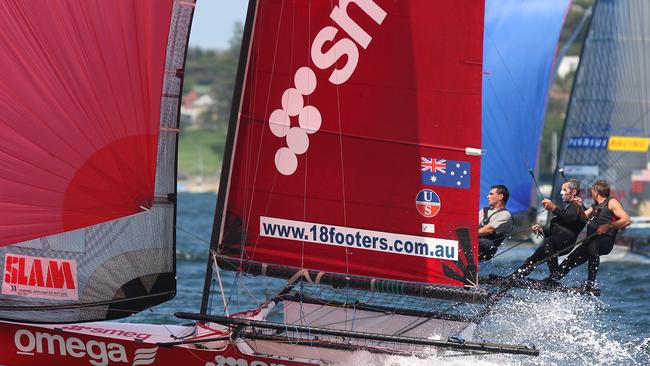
<point x="446" y="173"/>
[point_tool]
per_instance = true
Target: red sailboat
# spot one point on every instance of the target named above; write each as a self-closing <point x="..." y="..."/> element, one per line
<point x="352" y="169"/>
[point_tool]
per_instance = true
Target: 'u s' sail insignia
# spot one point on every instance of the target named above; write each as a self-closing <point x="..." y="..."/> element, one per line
<point x="428" y="203"/>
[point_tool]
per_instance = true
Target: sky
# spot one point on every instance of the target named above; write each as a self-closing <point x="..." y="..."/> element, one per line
<point x="212" y="26"/>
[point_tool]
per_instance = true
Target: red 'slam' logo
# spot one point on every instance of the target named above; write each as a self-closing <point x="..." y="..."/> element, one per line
<point x="36" y="277"/>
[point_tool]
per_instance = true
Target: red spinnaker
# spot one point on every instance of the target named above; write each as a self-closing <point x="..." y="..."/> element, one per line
<point x="80" y="92"/>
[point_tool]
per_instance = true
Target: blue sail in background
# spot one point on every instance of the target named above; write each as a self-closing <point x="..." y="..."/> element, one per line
<point x="520" y="42"/>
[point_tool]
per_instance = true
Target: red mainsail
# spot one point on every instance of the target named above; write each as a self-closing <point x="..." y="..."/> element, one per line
<point x="356" y="141"/>
<point x="80" y="98"/>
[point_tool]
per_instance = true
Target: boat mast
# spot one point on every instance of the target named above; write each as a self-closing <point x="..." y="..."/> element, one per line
<point x="217" y="226"/>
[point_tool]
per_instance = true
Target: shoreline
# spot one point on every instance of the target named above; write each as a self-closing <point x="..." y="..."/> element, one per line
<point x="197" y="185"/>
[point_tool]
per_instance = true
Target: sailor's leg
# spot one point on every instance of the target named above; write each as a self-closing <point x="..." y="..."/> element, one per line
<point x="558" y="246"/>
<point x="605" y="245"/>
<point x="534" y="260"/>
<point x="601" y="245"/>
<point x="550" y="253"/>
<point x="552" y="265"/>
<point x="594" y="259"/>
<point x="576" y="258"/>
<point x="594" y="263"/>
<point x="486" y="249"/>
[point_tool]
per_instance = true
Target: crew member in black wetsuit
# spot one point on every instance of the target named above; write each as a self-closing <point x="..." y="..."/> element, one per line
<point x="563" y="231"/>
<point x="495" y="222"/>
<point x="605" y="216"/>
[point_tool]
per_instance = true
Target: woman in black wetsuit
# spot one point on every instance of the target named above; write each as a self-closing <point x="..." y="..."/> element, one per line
<point x="605" y="216"/>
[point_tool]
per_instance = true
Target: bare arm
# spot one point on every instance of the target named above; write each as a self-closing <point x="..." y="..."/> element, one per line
<point x="486" y="230"/>
<point x="623" y="218"/>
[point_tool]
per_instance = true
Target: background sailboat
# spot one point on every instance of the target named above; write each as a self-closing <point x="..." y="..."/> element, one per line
<point x="520" y="44"/>
<point x="607" y="126"/>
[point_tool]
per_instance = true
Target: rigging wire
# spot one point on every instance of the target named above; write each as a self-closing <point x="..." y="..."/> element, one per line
<point x="248" y="215"/>
<point x="539" y="191"/>
<point x="620" y="109"/>
<point x="561" y="54"/>
<point x="513" y="125"/>
<point x="565" y="250"/>
<point x="518" y="243"/>
<point x="519" y="94"/>
<point x="422" y="320"/>
<point x="218" y="271"/>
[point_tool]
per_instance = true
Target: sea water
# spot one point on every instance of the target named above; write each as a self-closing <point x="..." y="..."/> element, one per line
<point x="613" y="329"/>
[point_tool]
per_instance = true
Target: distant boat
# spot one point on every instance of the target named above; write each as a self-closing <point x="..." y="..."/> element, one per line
<point x="198" y="186"/>
<point x="198" y="183"/>
<point x="607" y="128"/>
<point x="633" y="243"/>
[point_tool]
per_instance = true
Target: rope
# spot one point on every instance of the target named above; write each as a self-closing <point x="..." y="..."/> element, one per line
<point x="512" y="247"/>
<point x="223" y="296"/>
<point x="565" y="250"/>
<point x="296" y="276"/>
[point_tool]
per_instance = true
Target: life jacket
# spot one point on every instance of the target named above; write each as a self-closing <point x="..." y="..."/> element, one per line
<point x="602" y="215"/>
<point x="497" y="239"/>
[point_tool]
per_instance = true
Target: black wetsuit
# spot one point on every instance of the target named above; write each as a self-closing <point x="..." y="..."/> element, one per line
<point x="565" y="226"/>
<point x="594" y="248"/>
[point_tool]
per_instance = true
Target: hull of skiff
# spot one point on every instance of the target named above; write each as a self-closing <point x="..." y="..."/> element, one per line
<point x="209" y="344"/>
<point x="106" y="343"/>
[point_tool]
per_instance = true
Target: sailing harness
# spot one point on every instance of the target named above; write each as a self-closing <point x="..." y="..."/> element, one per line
<point x="497" y="239"/>
<point x="601" y="214"/>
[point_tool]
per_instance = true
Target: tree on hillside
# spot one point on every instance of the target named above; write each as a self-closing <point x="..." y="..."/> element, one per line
<point x="224" y="82"/>
<point x="215" y="69"/>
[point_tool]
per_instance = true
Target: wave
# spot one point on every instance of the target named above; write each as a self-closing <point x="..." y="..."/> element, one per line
<point x="568" y="329"/>
<point x="191" y="256"/>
